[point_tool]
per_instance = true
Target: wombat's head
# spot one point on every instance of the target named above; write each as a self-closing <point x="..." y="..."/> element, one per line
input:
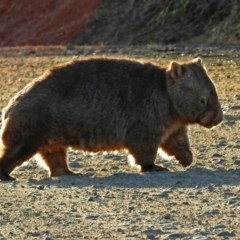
<point x="193" y="93"/>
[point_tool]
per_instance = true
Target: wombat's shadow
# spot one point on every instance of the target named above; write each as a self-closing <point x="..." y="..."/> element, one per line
<point x="192" y="177"/>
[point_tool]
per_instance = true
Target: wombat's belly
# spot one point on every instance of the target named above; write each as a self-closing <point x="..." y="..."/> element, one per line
<point x="94" y="141"/>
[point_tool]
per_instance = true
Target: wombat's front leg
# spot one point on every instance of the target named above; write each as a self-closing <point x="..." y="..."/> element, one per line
<point x="144" y="155"/>
<point x="177" y="145"/>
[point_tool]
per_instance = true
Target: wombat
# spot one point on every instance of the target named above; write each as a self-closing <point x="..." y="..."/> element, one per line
<point x="103" y="104"/>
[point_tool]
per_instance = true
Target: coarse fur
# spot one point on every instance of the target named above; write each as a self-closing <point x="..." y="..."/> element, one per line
<point x="103" y="104"/>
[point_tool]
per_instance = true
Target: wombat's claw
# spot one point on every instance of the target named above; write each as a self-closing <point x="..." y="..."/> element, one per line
<point x="185" y="160"/>
<point x="185" y="164"/>
<point x="76" y="174"/>
<point x="155" y="168"/>
<point x="6" y="177"/>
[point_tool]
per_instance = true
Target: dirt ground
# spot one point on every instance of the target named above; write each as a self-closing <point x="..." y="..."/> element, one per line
<point x="112" y="200"/>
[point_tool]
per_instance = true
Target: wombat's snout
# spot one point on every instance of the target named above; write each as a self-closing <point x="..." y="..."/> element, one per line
<point x="212" y="118"/>
<point x="218" y="118"/>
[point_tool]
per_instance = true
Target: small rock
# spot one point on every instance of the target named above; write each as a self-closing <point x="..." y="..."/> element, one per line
<point x="237" y="162"/>
<point x="90" y="170"/>
<point x="149" y="199"/>
<point x="131" y="208"/>
<point x="75" y="164"/>
<point x="201" y="238"/>
<point x="232" y="200"/>
<point x="216" y="155"/>
<point x="237" y="96"/>
<point x="92" y="217"/>
<point x="163" y="194"/>
<point x="226" y="234"/>
<point x="210" y="188"/>
<point x="167" y="216"/>
<point x="176" y="236"/>
<point x="150" y="236"/>
<point x="120" y="230"/>
<point x="211" y="212"/>
<point x="40" y="187"/>
<point x="35" y="234"/>
<point x="219" y="161"/>
<point x="144" y="212"/>
<point x="219" y="226"/>
<point x="153" y="231"/>
<point x="222" y="143"/>
<point x="114" y="168"/>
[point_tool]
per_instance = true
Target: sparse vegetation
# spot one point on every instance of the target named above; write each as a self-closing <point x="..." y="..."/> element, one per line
<point x="113" y="22"/>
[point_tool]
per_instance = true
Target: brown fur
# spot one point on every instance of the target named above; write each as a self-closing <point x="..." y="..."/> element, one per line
<point x="108" y="104"/>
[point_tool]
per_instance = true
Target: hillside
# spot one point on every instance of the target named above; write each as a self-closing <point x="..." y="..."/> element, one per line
<point x="112" y="22"/>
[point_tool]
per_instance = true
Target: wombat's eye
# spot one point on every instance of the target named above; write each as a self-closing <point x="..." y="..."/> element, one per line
<point x="203" y="101"/>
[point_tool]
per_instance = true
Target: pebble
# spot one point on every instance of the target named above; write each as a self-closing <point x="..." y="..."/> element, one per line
<point x="167" y="216"/>
<point x="75" y="164"/>
<point x="201" y="238"/>
<point x="151" y="236"/>
<point x="237" y="162"/>
<point x="176" y="236"/>
<point x="211" y="212"/>
<point x="92" y="217"/>
<point x="164" y="194"/>
<point x="120" y="230"/>
<point x="40" y="187"/>
<point x="232" y="200"/>
<point x="226" y="234"/>
<point x="237" y="96"/>
<point x="216" y="155"/>
<point x="219" y="226"/>
<point x="34" y="234"/>
<point x="114" y="168"/>
<point x="153" y="231"/>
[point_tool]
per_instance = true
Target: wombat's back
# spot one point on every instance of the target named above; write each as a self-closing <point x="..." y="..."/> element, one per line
<point x="93" y="101"/>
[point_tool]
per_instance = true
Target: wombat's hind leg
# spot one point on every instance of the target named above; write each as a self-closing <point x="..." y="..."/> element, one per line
<point x="12" y="157"/>
<point x="55" y="157"/>
<point x="144" y="157"/>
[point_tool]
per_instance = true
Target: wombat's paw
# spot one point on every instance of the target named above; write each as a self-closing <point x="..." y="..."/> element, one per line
<point x="6" y="177"/>
<point x="186" y="159"/>
<point x="153" y="168"/>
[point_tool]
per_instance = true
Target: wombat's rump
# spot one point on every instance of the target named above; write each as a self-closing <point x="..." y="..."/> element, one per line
<point x="106" y="104"/>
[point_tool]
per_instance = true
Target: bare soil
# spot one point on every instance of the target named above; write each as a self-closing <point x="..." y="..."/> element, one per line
<point x="112" y="200"/>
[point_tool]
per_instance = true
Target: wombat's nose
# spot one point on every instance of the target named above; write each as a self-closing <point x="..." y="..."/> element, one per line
<point x="219" y="118"/>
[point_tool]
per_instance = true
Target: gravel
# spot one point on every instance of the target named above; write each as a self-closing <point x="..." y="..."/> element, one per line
<point x="111" y="200"/>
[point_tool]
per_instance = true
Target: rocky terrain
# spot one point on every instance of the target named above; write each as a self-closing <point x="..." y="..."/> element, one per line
<point x="112" y="200"/>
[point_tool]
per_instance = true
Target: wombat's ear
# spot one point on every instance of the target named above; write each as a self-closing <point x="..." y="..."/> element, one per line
<point x="176" y="70"/>
<point x="197" y="61"/>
